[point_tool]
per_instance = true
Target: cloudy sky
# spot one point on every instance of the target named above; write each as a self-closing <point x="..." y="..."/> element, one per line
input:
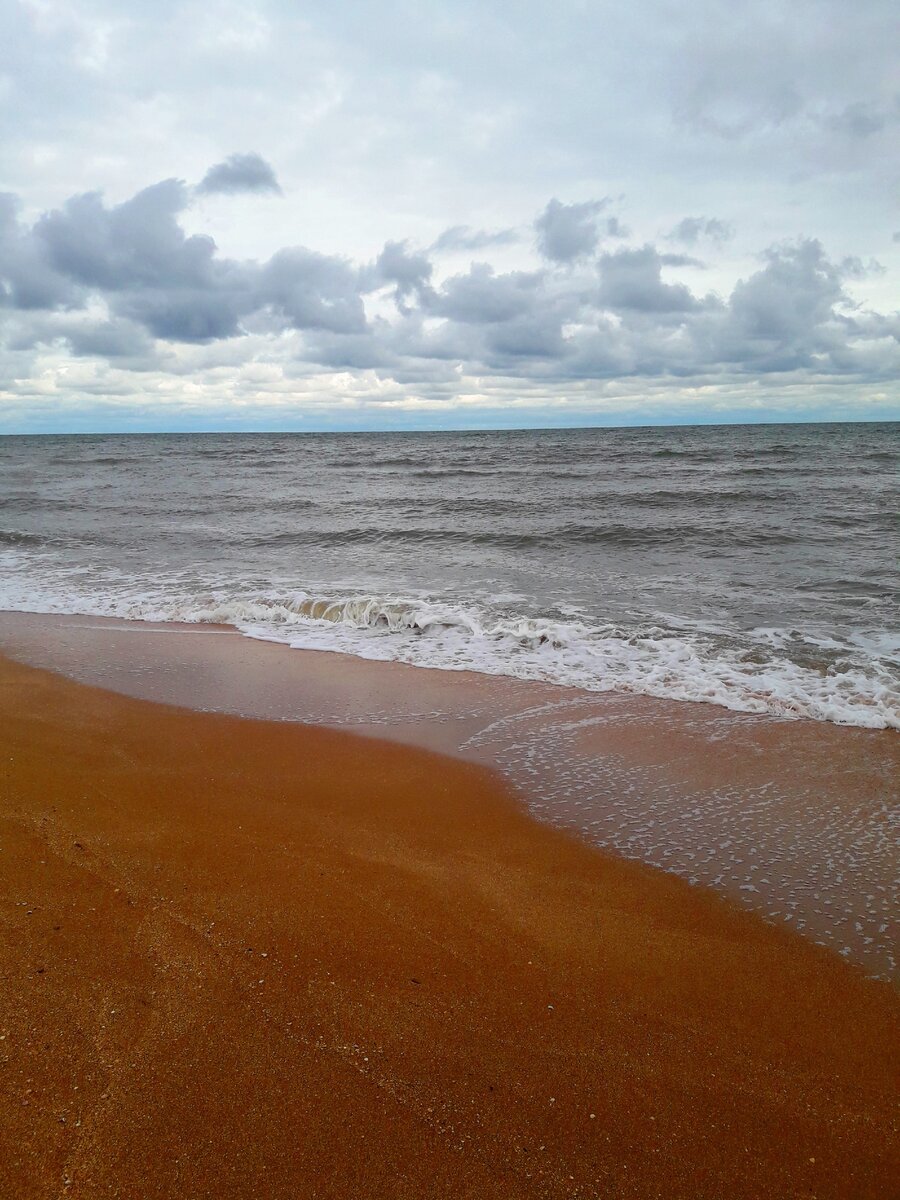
<point x="304" y="215"/>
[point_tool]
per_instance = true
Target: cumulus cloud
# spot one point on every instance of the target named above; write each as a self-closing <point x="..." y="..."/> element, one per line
<point x="110" y="339"/>
<point x="137" y="257"/>
<point x="311" y="291"/>
<point x="567" y="232"/>
<point x="128" y="285"/>
<point x="27" y="278"/>
<point x="150" y="271"/>
<point x="88" y="334"/>
<point x="134" y="244"/>
<point x="690" y="230"/>
<point x="408" y="270"/>
<point x="632" y="279"/>
<point x="240" y="173"/>
<point x="480" y="296"/>
<point x="787" y="313"/>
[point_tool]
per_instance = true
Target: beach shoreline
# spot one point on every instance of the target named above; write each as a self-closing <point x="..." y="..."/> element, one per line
<point x="245" y="956"/>
<point x="790" y="818"/>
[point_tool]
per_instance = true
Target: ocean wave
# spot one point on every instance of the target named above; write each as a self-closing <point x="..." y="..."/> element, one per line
<point x="458" y="472"/>
<point x="363" y="459"/>
<point x="19" y="537"/>
<point x="78" y="456"/>
<point x="842" y="684"/>
<point x="632" y="537"/>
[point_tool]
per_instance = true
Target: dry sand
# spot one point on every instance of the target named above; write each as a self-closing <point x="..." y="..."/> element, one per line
<point x="262" y="960"/>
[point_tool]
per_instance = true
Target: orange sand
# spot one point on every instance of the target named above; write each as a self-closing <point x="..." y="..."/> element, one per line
<point x="258" y="960"/>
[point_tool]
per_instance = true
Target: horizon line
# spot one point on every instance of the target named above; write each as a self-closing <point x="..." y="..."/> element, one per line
<point x="219" y="431"/>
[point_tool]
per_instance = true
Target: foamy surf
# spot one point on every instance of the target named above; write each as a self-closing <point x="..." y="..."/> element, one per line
<point x="748" y="673"/>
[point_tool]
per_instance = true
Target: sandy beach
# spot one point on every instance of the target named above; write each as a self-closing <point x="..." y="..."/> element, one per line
<point x="791" y="819"/>
<point x="246" y="958"/>
<point x="449" y="627"/>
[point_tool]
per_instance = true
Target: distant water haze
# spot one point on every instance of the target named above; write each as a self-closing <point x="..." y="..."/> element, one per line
<point x="754" y="567"/>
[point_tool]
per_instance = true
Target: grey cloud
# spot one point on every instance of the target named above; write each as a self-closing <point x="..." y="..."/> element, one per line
<point x="790" y="303"/>
<point x="792" y="315"/>
<point x="27" y="278"/>
<point x="240" y="173"/>
<point x="463" y="237"/>
<point x="108" y="339"/>
<point x="615" y="315"/>
<point x="480" y="296"/>
<point x="134" y="244"/>
<point x="535" y="336"/>
<point x="691" y="229"/>
<point x="795" y="314"/>
<point x="185" y="314"/>
<point x="789" y="93"/>
<point x="566" y="232"/>
<point x="403" y="113"/>
<point x="433" y="348"/>
<point x="137" y="256"/>
<point x="363" y="351"/>
<point x="499" y="320"/>
<point x="632" y="279"/>
<point x="137" y="90"/>
<point x="409" y="271"/>
<point x="83" y="334"/>
<point x="312" y="291"/>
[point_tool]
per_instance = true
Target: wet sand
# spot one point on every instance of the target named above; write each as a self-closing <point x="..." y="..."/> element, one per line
<point x="258" y="959"/>
<point x="795" y="820"/>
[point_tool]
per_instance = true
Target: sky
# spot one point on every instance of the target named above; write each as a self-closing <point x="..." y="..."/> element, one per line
<point x="228" y="216"/>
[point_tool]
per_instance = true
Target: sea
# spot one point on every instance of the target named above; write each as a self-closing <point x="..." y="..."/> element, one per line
<point x="751" y="567"/>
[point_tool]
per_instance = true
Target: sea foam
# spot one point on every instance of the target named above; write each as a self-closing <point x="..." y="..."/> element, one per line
<point x="752" y="672"/>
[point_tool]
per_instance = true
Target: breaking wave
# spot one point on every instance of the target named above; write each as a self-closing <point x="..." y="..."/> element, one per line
<point x="774" y="672"/>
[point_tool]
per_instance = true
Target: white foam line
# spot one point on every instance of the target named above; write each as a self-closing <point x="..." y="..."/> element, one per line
<point x="457" y="635"/>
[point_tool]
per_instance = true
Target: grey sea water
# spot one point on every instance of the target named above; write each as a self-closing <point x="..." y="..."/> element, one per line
<point x="750" y="566"/>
